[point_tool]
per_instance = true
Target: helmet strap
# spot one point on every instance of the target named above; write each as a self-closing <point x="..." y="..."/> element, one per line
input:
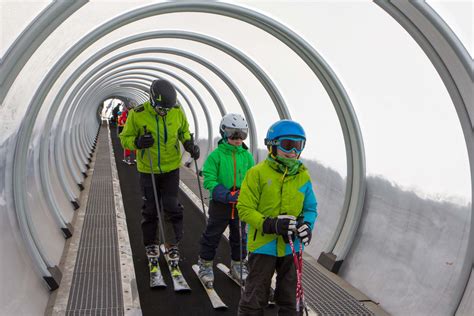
<point x="273" y="150"/>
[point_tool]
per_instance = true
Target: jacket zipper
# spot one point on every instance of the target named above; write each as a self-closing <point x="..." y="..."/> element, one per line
<point x="281" y="191"/>
<point x="165" y="129"/>
<point x="158" y="143"/>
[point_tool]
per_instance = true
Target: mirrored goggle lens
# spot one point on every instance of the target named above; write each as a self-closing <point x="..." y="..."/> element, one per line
<point x="161" y="110"/>
<point x="288" y="144"/>
<point x="236" y="133"/>
<point x="158" y="103"/>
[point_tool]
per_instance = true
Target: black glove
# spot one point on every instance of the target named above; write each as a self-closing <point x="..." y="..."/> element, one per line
<point x="283" y="225"/>
<point x="144" y="141"/>
<point x="191" y="148"/>
<point x="304" y="233"/>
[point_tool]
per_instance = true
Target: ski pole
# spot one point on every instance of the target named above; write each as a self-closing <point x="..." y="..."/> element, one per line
<point x="234" y="204"/>
<point x="241" y="263"/>
<point x="199" y="182"/>
<point x="298" y="260"/>
<point x="155" y="192"/>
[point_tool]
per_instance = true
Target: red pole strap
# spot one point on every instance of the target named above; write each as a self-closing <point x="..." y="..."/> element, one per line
<point x="298" y="260"/>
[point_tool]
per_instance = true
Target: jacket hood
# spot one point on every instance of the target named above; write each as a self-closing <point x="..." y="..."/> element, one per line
<point x="149" y="108"/>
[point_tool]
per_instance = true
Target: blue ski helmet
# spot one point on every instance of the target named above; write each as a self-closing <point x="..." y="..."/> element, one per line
<point x="287" y="130"/>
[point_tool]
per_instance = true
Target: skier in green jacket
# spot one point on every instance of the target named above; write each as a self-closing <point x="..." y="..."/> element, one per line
<point x="159" y="125"/>
<point x="223" y="172"/>
<point x="277" y="202"/>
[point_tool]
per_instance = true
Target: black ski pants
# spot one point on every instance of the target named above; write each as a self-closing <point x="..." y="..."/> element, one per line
<point x="257" y="286"/>
<point x="220" y="216"/>
<point x="167" y="185"/>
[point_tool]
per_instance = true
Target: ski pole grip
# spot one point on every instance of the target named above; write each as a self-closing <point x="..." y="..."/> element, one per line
<point x="144" y="129"/>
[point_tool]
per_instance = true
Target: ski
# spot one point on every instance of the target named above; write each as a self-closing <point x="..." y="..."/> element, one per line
<point x="216" y="301"/>
<point x="156" y="278"/>
<point x="179" y="282"/>
<point x="128" y="162"/>
<point x="226" y="271"/>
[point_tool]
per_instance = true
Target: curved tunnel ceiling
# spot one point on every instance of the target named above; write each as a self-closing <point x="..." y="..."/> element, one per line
<point x="65" y="113"/>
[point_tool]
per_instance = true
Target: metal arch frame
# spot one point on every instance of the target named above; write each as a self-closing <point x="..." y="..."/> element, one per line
<point x="355" y="186"/>
<point x="246" y="61"/>
<point x="452" y="62"/>
<point x="169" y="73"/>
<point x="31" y="38"/>
<point x="129" y="92"/>
<point x="122" y="90"/>
<point x="46" y="185"/>
<point x="220" y="45"/>
<point x="221" y="75"/>
<point x="99" y="82"/>
<point x="77" y="144"/>
<point x="185" y="69"/>
<point x="232" y="86"/>
<point x="106" y="82"/>
<point x="125" y="72"/>
<point x="170" y="63"/>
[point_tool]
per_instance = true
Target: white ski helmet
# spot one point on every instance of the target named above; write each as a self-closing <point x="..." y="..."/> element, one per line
<point x="233" y="126"/>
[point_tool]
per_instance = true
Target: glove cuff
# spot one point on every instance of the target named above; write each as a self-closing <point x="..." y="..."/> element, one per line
<point x="268" y="226"/>
<point x="188" y="145"/>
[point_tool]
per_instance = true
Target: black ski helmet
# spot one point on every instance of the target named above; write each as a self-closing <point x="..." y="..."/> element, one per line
<point x="162" y="94"/>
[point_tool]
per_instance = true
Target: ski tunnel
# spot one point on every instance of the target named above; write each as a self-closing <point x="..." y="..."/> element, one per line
<point x="384" y="90"/>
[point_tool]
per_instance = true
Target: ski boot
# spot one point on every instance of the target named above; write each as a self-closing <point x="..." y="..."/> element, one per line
<point x="235" y="270"/>
<point x="206" y="274"/>
<point x="128" y="161"/>
<point x="156" y="278"/>
<point x="173" y="261"/>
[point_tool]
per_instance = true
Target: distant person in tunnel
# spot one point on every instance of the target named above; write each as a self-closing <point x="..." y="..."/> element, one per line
<point x="224" y="171"/>
<point x="159" y="125"/>
<point x="278" y="203"/>
<point x="115" y="114"/>
<point x="127" y="153"/>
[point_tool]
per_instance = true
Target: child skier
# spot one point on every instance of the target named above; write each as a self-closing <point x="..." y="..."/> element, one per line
<point x="223" y="172"/>
<point x="274" y="194"/>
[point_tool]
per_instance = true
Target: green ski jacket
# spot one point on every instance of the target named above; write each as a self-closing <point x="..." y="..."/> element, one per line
<point x="268" y="192"/>
<point x="226" y="165"/>
<point x="167" y="131"/>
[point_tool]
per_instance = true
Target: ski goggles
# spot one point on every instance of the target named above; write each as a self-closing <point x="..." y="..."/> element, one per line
<point x="157" y="103"/>
<point x="288" y="144"/>
<point x="162" y="111"/>
<point x="236" y="133"/>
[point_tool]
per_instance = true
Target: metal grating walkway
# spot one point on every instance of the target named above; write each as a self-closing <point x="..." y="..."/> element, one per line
<point x="327" y="298"/>
<point x="96" y="283"/>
